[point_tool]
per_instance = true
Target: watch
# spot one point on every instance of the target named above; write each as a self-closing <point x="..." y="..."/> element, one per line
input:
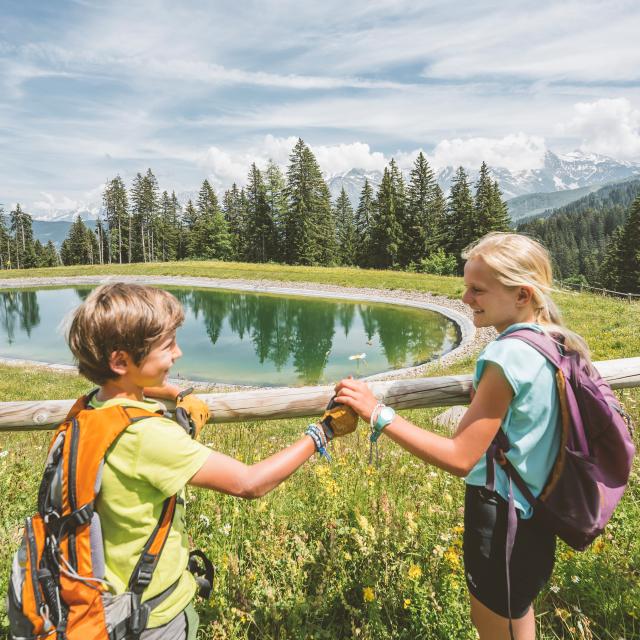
<point x="385" y="416"/>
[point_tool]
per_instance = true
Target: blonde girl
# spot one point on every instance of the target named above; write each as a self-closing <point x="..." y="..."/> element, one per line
<point x="507" y="280"/>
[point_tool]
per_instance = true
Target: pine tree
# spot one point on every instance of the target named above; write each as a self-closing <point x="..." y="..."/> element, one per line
<point x="386" y="231"/>
<point x="23" y="254"/>
<point x="5" y="242"/>
<point x="309" y="226"/>
<point x="438" y="210"/>
<point x="363" y="218"/>
<point x="144" y="217"/>
<point x="77" y="247"/>
<point x="189" y="221"/>
<point x="168" y="228"/>
<point x="424" y="213"/>
<point x="483" y="204"/>
<point x="50" y="257"/>
<point x="500" y="210"/>
<point x="234" y="212"/>
<point x="116" y="206"/>
<point x="460" y="217"/>
<point x="612" y="265"/>
<point x="276" y="186"/>
<point x="102" y="242"/>
<point x="628" y="251"/>
<point x="261" y="230"/>
<point x="209" y="238"/>
<point x="346" y="230"/>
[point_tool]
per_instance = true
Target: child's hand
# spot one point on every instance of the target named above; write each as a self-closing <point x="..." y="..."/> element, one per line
<point x="339" y="420"/>
<point x="357" y="395"/>
<point x="196" y="411"/>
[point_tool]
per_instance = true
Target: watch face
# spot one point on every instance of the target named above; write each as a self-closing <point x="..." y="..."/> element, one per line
<point x="387" y="415"/>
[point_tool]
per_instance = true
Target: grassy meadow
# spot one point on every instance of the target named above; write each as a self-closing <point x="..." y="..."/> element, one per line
<point x="349" y="550"/>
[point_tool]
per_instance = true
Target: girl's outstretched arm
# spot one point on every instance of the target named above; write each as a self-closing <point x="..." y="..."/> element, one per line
<point x="228" y="475"/>
<point x="457" y="454"/>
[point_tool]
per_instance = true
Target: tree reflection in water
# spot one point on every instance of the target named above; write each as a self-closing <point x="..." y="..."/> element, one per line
<point x="18" y="308"/>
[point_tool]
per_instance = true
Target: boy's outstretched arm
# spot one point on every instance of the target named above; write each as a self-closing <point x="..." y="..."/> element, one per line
<point x="228" y="475"/>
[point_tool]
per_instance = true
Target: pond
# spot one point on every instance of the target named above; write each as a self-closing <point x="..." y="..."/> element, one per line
<point x="247" y="338"/>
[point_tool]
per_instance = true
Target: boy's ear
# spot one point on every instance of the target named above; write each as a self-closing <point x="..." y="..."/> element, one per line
<point x="119" y="362"/>
<point x="524" y="297"/>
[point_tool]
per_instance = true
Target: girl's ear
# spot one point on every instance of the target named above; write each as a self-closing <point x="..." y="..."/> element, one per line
<point x="119" y="362"/>
<point x="524" y="297"/>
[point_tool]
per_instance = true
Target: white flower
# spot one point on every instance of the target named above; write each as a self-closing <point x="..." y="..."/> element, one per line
<point x="555" y="588"/>
<point x="225" y="529"/>
<point x="204" y="519"/>
<point x="358" y="356"/>
<point x="4" y="454"/>
<point x="575" y="579"/>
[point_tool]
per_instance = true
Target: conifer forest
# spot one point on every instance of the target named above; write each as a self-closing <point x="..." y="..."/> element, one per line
<point x="289" y="217"/>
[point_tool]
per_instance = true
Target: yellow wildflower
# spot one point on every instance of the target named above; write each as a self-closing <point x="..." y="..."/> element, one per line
<point x="407" y="603"/>
<point x="451" y="556"/>
<point x="414" y="572"/>
<point x="368" y="594"/>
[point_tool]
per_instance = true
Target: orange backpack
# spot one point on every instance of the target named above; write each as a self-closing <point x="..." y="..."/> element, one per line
<point x="57" y="588"/>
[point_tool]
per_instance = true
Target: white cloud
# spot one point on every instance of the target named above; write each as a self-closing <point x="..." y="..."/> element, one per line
<point x="514" y="152"/>
<point x="49" y="203"/>
<point x="342" y="157"/>
<point x="223" y="168"/>
<point x="226" y="166"/>
<point x="607" y="126"/>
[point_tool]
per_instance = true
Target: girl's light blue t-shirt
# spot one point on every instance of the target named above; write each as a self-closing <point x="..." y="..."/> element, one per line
<point x="531" y="422"/>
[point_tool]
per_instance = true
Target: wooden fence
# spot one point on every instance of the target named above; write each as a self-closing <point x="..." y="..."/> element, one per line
<point x="271" y="404"/>
<point x="629" y="297"/>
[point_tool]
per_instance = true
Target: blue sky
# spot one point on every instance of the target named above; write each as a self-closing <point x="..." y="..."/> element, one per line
<point x="90" y="89"/>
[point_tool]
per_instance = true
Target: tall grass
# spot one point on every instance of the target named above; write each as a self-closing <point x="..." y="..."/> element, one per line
<point x="352" y="550"/>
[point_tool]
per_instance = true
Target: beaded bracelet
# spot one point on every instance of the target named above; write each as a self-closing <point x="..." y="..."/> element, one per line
<point x="319" y="437"/>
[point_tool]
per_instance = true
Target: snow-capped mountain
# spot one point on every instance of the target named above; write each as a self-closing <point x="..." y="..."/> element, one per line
<point x="353" y="183"/>
<point x="558" y="173"/>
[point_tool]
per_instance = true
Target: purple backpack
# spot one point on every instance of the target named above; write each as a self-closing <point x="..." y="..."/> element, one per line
<point x="596" y="452"/>
<point x="594" y="461"/>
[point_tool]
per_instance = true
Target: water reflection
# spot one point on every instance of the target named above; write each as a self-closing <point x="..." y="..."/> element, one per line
<point x="258" y="339"/>
<point x="18" y="309"/>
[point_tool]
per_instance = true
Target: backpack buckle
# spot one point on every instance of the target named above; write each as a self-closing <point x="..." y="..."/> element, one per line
<point x="138" y="619"/>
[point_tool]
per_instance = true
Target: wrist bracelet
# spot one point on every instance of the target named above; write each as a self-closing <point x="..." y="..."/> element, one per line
<point x="320" y="439"/>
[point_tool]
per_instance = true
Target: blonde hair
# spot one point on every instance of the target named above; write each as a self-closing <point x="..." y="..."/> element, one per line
<point x="120" y="317"/>
<point x="516" y="261"/>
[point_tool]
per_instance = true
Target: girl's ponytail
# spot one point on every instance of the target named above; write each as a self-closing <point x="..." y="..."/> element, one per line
<point x="518" y="260"/>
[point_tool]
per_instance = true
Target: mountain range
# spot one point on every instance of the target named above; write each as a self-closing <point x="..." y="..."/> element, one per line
<point x="561" y="179"/>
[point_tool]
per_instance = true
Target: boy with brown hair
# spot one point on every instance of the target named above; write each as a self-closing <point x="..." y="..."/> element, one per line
<point x="123" y="338"/>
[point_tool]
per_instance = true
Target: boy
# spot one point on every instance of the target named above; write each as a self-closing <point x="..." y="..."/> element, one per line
<point x="123" y="338"/>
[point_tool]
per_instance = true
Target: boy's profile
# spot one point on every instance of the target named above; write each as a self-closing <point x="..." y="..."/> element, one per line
<point x="123" y="338"/>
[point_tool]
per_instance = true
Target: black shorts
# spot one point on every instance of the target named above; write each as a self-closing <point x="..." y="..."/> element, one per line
<point x="485" y="528"/>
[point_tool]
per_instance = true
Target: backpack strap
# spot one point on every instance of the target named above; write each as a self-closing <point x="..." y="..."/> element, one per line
<point x="551" y="347"/>
<point x="81" y="404"/>
<point x="146" y="565"/>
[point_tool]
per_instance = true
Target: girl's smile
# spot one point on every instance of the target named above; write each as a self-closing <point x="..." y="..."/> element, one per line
<point x="493" y="304"/>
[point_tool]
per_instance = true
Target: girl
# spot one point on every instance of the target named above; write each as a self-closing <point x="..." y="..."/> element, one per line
<point x="507" y="283"/>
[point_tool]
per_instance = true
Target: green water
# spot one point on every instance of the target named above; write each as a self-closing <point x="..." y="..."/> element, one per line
<point x="246" y="338"/>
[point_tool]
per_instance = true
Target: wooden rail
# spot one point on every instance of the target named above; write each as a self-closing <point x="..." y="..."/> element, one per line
<point x="271" y="404"/>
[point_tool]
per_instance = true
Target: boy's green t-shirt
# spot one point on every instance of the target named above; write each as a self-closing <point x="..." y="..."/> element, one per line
<point x="152" y="460"/>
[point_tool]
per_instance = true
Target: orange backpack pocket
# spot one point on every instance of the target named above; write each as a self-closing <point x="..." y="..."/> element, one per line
<point x="27" y="608"/>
